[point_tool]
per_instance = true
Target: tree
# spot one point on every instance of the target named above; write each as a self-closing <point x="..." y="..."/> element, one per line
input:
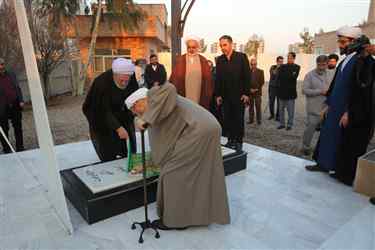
<point x="10" y="44"/>
<point x="124" y="11"/>
<point x="50" y="46"/>
<point x="252" y="45"/>
<point x="202" y="45"/>
<point x="308" y="41"/>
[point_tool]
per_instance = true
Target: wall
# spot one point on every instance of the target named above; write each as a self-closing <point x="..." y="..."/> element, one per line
<point x="265" y="61"/>
<point x="60" y="83"/>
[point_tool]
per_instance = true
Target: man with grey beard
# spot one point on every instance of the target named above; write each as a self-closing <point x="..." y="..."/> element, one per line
<point x="315" y="87"/>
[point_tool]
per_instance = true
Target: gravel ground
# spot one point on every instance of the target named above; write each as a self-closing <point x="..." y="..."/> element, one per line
<point x="68" y="125"/>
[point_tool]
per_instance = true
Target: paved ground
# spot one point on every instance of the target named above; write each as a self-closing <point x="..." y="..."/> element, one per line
<point x="274" y="204"/>
<point x="69" y="125"/>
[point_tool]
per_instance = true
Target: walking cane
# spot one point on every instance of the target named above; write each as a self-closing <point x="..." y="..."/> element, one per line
<point x="147" y="223"/>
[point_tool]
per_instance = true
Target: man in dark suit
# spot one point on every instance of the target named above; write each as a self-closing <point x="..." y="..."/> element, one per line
<point x="272" y="89"/>
<point x="257" y="82"/>
<point x="11" y="104"/>
<point x="155" y="73"/>
<point x="287" y="91"/>
<point x="232" y="88"/>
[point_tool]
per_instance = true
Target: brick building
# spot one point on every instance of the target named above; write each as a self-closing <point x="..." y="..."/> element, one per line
<point x="114" y="41"/>
<point x="326" y="42"/>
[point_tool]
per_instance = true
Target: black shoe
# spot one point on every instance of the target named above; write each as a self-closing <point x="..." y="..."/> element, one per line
<point x="281" y="127"/>
<point x="238" y="146"/>
<point x="288" y="128"/>
<point x="160" y="225"/>
<point x="372" y="200"/>
<point x="20" y="149"/>
<point x="315" y="168"/>
<point x="230" y="144"/>
<point x="271" y="117"/>
<point x="7" y="151"/>
<point x="332" y="175"/>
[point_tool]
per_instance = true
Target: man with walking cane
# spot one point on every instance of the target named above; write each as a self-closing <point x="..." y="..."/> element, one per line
<point x="185" y="143"/>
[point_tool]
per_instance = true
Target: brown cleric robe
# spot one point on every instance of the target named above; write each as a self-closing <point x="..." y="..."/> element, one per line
<point x="185" y="143"/>
<point x="178" y="78"/>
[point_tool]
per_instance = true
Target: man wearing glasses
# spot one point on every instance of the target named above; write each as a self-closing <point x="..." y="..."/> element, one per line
<point x="11" y="104"/>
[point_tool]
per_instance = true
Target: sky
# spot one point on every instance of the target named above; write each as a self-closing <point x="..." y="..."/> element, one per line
<point x="278" y="21"/>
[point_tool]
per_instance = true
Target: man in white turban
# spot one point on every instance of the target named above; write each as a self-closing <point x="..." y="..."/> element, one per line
<point x="192" y="74"/>
<point x="111" y="123"/>
<point x="348" y="124"/>
<point x="185" y="143"/>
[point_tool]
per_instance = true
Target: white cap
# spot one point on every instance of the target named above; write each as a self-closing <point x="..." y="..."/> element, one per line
<point x="137" y="95"/>
<point x="192" y="38"/>
<point x="351" y="32"/>
<point x="123" y="66"/>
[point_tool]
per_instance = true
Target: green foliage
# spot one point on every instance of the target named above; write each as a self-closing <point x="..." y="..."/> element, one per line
<point x="125" y="11"/>
<point x="252" y="45"/>
<point x="308" y="41"/>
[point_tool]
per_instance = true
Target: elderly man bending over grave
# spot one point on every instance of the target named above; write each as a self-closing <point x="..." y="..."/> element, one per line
<point x="185" y="143"/>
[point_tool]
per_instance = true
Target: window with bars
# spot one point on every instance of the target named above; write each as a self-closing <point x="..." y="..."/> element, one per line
<point x="103" y="58"/>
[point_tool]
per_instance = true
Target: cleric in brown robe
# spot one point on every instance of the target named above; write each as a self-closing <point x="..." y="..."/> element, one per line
<point x="192" y="75"/>
<point x="111" y="123"/>
<point x="185" y="143"/>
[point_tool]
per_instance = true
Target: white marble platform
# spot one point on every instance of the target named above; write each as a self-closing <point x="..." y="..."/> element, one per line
<point x="275" y="204"/>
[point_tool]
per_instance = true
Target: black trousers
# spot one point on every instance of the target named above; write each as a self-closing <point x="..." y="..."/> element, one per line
<point x="272" y="92"/>
<point x="110" y="147"/>
<point x="234" y="113"/>
<point x="14" y="114"/>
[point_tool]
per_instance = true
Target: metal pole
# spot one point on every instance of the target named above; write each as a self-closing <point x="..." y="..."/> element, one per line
<point x="176" y="32"/>
<point x="53" y="182"/>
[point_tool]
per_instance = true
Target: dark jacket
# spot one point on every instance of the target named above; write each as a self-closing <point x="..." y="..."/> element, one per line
<point x="273" y="76"/>
<point x="152" y="76"/>
<point x="18" y="92"/>
<point x="257" y="82"/>
<point x="232" y="76"/>
<point x="287" y="79"/>
<point x="102" y="111"/>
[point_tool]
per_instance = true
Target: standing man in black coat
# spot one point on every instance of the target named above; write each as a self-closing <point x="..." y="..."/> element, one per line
<point x="155" y="73"/>
<point x="11" y="105"/>
<point x="232" y="90"/>
<point x="287" y="91"/>
<point x="272" y="89"/>
<point x="111" y="123"/>
<point x="358" y="121"/>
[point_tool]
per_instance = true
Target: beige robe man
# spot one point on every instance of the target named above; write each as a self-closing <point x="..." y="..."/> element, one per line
<point x="185" y="143"/>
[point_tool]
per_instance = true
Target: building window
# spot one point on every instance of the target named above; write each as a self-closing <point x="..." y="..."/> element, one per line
<point x="103" y="58"/>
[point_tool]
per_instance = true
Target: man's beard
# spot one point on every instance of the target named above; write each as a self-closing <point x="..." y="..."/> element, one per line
<point x="331" y="66"/>
<point x="343" y="51"/>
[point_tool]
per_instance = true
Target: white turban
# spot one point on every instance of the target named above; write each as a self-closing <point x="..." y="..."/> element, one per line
<point x="137" y="95"/>
<point x="192" y="38"/>
<point x="351" y="32"/>
<point x="123" y="66"/>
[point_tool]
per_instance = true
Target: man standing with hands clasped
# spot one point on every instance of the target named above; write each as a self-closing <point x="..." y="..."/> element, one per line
<point x="232" y="90"/>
